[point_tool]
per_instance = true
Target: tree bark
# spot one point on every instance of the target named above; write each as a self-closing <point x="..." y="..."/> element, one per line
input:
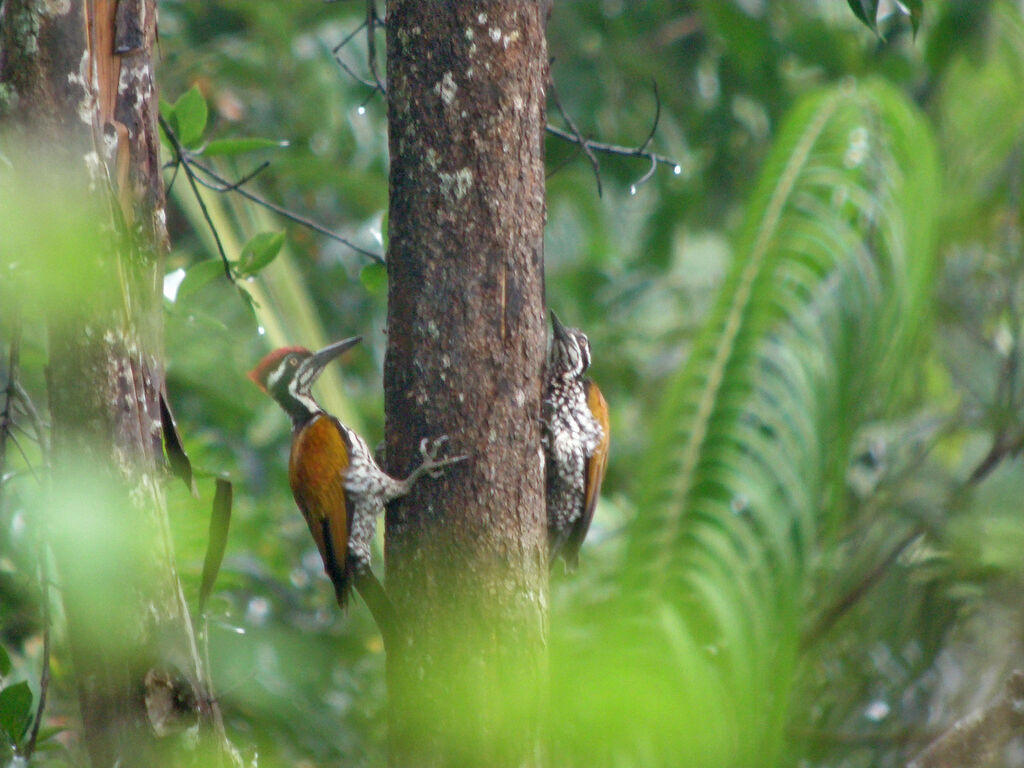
<point x="77" y="86"/>
<point x="466" y="560"/>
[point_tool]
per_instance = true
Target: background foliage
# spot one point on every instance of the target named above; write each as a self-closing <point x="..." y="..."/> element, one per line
<point x="808" y="546"/>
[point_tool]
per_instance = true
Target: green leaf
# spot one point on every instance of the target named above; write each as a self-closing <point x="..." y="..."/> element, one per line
<point x="47" y="734"/>
<point x="220" y="521"/>
<point x="225" y="147"/>
<point x="259" y="252"/>
<point x="173" y="446"/>
<point x="374" y="278"/>
<point x="197" y="276"/>
<point x="916" y="10"/>
<point x="866" y="11"/>
<point x="190" y="115"/>
<point x="5" y="662"/>
<point x="166" y="109"/>
<point x="15" y="709"/>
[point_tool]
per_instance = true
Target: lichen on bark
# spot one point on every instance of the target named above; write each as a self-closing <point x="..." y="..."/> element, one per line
<point x="466" y="564"/>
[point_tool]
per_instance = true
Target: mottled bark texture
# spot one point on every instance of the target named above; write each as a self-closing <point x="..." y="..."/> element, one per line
<point x="983" y="739"/>
<point x="466" y="562"/>
<point x="77" y="95"/>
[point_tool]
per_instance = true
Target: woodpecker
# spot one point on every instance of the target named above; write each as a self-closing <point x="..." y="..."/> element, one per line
<point x="576" y="438"/>
<point x="336" y="483"/>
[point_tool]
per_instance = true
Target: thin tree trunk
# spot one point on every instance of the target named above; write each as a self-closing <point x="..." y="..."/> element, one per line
<point x="466" y="561"/>
<point x="78" y="85"/>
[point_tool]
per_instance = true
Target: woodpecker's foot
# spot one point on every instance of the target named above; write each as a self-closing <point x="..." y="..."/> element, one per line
<point x="429" y="449"/>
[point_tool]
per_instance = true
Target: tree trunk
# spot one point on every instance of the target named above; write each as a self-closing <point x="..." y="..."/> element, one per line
<point x="77" y="85"/>
<point x="466" y="560"/>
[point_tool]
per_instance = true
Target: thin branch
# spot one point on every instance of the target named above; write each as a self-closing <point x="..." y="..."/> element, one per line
<point x="6" y="419"/>
<point x="657" y="116"/>
<point x="643" y="179"/>
<point x="574" y="136"/>
<point x="575" y="153"/>
<point x="23" y="401"/>
<point x="187" y="162"/>
<point x="845" y="603"/>
<point x="247" y="178"/>
<point x="376" y="85"/>
<point x="577" y="137"/>
<point x="348" y="38"/>
<point x="371" y="42"/>
<point x="227" y="186"/>
<point x="181" y="157"/>
<point x="612" y="149"/>
<point x="352" y="73"/>
<point x="15" y="394"/>
<point x="44" y="675"/>
<point x="24" y="456"/>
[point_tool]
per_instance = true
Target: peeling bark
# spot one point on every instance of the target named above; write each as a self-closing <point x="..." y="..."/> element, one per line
<point x="77" y="86"/>
<point x="466" y="560"/>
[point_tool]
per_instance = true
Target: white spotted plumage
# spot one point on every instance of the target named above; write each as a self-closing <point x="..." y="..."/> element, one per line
<point x="571" y="437"/>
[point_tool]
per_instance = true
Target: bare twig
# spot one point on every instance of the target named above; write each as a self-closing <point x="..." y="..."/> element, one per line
<point x="371" y="42"/>
<point x="847" y="601"/>
<point x="643" y="179"/>
<point x="44" y="675"/>
<point x="188" y="163"/>
<point x="574" y="136"/>
<point x="352" y="73"/>
<point x="16" y="394"/>
<point x="989" y="461"/>
<point x="348" y="38"/>
<point x="578" y="138"/>
<point x="23" y="401"/>
<point x="24" y="456"/>
<point x="371" y="21"/>
<point x="227" y="186"/>
<point x="181" y="159"/>
<point x="657" y="116"/>
<point x="6" y="416"/>
<point x="247" y="178"/>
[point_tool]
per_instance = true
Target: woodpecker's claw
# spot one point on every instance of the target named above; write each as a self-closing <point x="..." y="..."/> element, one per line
<point x="429" y="449"/>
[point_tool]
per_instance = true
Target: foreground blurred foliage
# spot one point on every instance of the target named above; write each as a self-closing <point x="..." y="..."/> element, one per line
<point x="808" y="548"/>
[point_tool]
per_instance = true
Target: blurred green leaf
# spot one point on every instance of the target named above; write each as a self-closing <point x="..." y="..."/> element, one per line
<point x="226" y="147"/>
<point x="866" y="11"/>
<point x="220" y="521"/>
<point x="189" y="117"/>
<point x="259" y="252"/>
<point x="374" y="278"/>
<point x="197" y="276"/>
<point x="820" y="308"/>
<point x="916" y="10"/>
<point x="5" y="662"/>
<point x="15" y="709"/>
<point x="173" y="447"/>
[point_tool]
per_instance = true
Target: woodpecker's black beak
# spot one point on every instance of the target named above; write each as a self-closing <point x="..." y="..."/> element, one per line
<point x="316" y="364"/>
<point x="558" y="328"/>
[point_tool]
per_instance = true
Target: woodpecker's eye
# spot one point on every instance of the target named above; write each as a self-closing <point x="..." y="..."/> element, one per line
<point x="292" y="362"/>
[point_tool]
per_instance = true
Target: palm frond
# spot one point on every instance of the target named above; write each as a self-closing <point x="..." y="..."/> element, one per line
<point x="813" y="327"/>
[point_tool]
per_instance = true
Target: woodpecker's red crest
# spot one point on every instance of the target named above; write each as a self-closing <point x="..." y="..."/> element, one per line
<point x="335" y="481"/>
<point x="268" y="364"/>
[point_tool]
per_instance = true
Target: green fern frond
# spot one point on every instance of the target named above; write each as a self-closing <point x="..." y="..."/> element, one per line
<point x="812" y="329"/>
